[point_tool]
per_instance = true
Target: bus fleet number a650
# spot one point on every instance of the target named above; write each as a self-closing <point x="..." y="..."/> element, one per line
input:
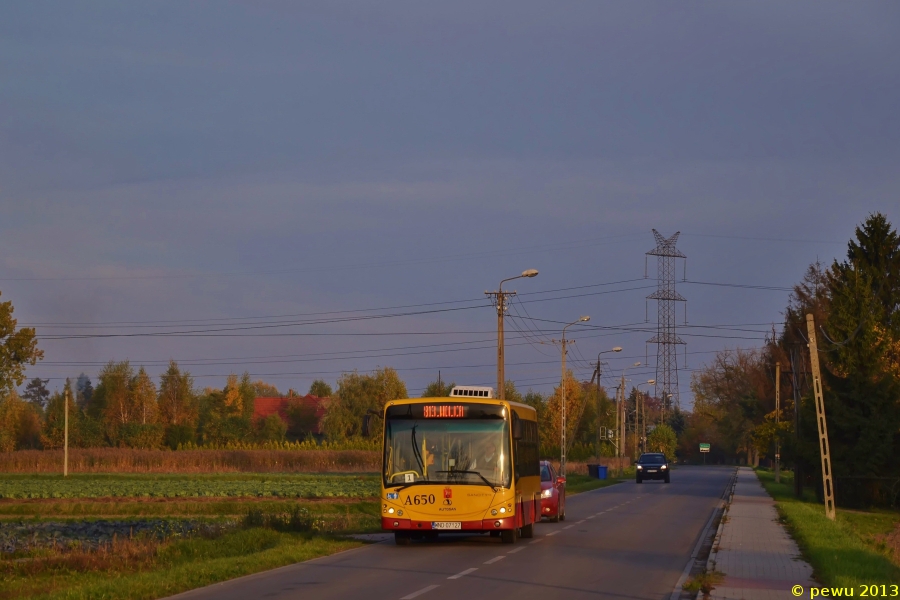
<point x="419" y="499"/>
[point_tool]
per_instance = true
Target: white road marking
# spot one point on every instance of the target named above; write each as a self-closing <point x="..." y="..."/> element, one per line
<point x="552" y="533"/>
<point x="569" y="526"/>
<point x="535" y="541"/>
<point x="591" y="517"/>
<point x="463" y="573"/>
<point x="493" y="560"/>
<point x="581" y="521"/>
<point x="516" y="550"/>
<point x="419" y="593"/>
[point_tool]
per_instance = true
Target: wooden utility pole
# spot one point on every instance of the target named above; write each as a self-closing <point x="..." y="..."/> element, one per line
<point x="827" y="483"/>
<point x="66" y="434"/>
<point x="777" y="419"/>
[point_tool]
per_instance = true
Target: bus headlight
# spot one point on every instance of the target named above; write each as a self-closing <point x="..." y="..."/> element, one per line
<point x="493" y="512"/>
<point x="391" y="511"/>
<point x="502" y="510"/>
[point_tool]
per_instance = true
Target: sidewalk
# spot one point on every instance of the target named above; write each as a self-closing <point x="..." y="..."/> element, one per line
<point x="754" y="552"/>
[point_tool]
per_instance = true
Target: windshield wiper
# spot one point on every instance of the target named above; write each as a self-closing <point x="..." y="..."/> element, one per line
<point x="483" y="478"/>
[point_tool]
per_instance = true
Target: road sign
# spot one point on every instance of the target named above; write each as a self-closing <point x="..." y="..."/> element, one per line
<point x="704" y="447"/>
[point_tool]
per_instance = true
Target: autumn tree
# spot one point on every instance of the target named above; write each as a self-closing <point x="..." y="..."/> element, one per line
<point x="18" y="348"/>
<point x="20" y="424"/>
<point x="226" y="415"/>
<point x="177" y="406"/>
<point x="356" y="394"/>
<point x="112" y="400"/>
<point x="263" y="389"/>
<point x="575" y="402"/>
<point x="143" y="393"/>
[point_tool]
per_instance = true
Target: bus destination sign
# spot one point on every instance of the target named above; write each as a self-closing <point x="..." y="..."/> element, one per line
<point x="445" y="411"/>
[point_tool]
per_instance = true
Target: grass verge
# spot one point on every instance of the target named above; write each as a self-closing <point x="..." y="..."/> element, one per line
<point x="849" y="551"/>
<point x="576" y="483"/>
<point x="136" y="571"/>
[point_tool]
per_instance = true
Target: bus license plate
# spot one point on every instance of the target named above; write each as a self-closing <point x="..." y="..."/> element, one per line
<point x="446" y="525"/>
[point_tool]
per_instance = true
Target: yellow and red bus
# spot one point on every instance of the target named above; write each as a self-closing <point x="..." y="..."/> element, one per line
<point x="464" y="463"/>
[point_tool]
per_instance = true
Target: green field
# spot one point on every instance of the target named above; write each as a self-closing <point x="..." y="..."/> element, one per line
<point x="244" y="485"/>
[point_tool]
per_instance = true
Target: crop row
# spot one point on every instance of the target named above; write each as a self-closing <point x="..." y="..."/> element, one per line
<point x="317" y="486"/>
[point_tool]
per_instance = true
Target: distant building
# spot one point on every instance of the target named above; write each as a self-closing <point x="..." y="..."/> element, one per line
<point x="312" y="408"/>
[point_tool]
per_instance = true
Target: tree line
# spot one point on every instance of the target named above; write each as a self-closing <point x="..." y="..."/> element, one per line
<point x="127" y="408"/>
<point x="856" y="306"/>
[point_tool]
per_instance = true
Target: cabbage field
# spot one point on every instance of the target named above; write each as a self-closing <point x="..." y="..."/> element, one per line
<point x="184" y="486"/>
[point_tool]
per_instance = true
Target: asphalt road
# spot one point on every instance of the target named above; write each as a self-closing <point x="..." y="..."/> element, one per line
<point x="625" y="541"/>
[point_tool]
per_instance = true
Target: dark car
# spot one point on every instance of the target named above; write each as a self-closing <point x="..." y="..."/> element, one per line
<point x="652" y="465"/>
<point x="553" y="493"/>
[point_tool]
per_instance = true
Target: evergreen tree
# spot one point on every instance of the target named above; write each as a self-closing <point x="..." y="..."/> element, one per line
<point x="36" y="393"/>
<point x="84" y="391"/>
<point x="320" y="389"/>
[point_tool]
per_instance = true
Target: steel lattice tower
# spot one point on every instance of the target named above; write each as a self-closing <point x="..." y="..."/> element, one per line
<point x="666" y="339"/>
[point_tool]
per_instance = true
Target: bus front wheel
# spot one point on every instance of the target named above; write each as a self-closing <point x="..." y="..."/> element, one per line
<point x="508" y="536"/>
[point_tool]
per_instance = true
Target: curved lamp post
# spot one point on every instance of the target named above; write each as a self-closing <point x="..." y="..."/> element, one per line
<point x="562" y="383"/>
<point x="501" y="311"/>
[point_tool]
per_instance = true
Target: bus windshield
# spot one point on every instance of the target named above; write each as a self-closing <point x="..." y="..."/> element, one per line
<point x="459" y="451"/>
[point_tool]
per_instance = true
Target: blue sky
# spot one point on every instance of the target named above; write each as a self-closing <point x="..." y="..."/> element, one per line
<point x="200" y="164"/>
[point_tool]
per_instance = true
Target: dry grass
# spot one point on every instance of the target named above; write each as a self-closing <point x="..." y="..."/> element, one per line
<point x="120" y="555"/>
<point x="127" y="460"/>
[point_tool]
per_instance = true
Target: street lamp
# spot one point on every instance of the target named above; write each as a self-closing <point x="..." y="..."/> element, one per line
<point x="643" y="415"/>
<point x="621" y="406"/>
<point x="501" y="310"/>
<point x="597" y="374"/>
<point x="562" y="383"/>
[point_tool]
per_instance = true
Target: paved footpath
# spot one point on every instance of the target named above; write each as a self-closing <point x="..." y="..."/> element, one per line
<point x="759" y="559"/>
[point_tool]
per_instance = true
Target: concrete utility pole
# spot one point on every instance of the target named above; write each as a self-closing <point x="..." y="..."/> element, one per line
<point x="66" y="434"/>
<point x="827" y="484"/>
<point x="642" y="416"/>
<point x="777" y="419"/>
<point x="500" y="301"/>
<point x="562" y="392"/>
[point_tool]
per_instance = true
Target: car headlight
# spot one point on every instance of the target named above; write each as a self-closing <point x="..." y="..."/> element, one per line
<point x="639" y="468"/>
<point x="663" y="467"/>
<point x="547" y="493"/>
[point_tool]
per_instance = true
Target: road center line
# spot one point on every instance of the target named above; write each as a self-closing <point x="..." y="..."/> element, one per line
<point x="591" y="517"/>
<point x="569" y="526"/>
<point x="419" y="593"/>
<point x="493" y="560"/>
<point x="580" y="522"/>
<point x="552" y="533"/>
<point x="535" y="541"/>
<point x="516" y="550"/>
<point x="463" y="573"/>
